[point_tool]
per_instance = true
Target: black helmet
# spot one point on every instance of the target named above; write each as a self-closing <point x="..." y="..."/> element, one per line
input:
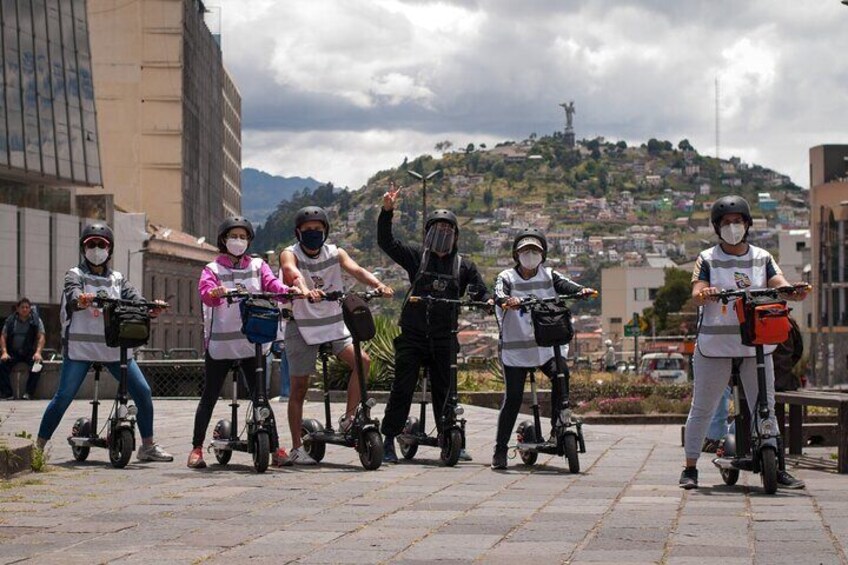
<point x="531" y="233"/>
<point x="310" y="213"/>
<point x="442" y="215"/>
<point x="730" y="204"/>
<point x="230" y="223"/>
<point x="97" y="229"/>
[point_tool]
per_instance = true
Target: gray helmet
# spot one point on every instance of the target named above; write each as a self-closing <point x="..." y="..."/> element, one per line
<point x="442" y="215"/>
<point x="730" y="204"/>
<point x="309" y="214"/>
<point x="535" y="234"/>
<point x="230" y="223"/>
<point x="97" y="229"/>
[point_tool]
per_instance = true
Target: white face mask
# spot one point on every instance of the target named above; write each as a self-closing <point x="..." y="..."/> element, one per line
<point x="96" y="256"/>
<point x="530" y="259"/>
<point x="733" y="233"/>
<point x="236" y="247"/>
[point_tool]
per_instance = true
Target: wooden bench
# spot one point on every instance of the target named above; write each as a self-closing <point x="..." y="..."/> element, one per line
<point x="800" y="398"/>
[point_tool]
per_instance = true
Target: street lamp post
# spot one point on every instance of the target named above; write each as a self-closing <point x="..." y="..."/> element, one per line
<point x="424" y="180"/>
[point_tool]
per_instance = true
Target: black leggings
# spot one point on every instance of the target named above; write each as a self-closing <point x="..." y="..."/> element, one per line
<point x="514" y="378"/>
<point x="216" y="373"/>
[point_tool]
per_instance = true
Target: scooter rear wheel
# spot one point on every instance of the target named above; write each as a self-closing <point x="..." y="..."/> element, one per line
<point x="527" y="434"/>
<point x="261" y="451"/>
<point x="371" y="450"/>
<point x="571" y="453"/>
<point x="222" y="431"/>
<point x="409" y="449"/>
<point x="768" y="470"/>
<point x="120" y="450"/>
<point x="82" y="428"/>
<point x="315" y="449"/>
<point x="729" y="476"/>
<point x="451" y="447"/>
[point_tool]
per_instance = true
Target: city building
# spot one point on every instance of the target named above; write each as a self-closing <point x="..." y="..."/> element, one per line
<point x="163" y="99"/>
<point x="626" y="290"/>
<point x="829" y="265"/>
<point x="48" y="149"/>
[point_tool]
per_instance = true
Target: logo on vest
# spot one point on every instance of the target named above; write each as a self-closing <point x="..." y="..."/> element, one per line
<point x="317" y="282"/>
<point x="742" y="280"/>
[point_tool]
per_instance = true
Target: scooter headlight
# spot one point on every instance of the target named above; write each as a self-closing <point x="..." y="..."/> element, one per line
<point x="263" y="413"/>
<point x="371" y="403"/>
<point x="121" y="412"/>
<point x="459" y="410"/>
<point x="768" y="429"/>
<point x="132" y="410"/>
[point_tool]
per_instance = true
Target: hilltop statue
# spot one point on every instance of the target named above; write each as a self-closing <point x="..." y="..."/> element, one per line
<point x="569" y="113"/>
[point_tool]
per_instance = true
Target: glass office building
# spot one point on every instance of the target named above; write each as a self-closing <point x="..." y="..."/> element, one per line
<point x="48" y="125"/>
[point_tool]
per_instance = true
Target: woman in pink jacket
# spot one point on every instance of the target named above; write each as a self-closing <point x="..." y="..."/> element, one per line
<point x="225" y="343"/>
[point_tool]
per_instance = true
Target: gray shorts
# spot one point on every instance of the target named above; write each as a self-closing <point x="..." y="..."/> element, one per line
<point x="302" y="356"/>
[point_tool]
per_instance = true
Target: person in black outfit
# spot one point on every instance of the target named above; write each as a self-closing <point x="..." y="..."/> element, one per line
<point x="21" y="341"/>
<point x="434" y="269"/>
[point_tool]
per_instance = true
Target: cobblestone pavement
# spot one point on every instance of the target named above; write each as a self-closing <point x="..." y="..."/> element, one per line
<point x="625" y="507"/>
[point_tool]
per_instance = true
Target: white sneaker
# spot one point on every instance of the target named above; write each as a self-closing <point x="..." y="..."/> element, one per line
<point x="299" y="456"/>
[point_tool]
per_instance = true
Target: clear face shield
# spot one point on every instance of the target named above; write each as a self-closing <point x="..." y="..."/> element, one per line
<point x="440" y="237"/>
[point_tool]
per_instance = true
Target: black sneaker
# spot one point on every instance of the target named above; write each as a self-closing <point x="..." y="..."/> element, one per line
<point x="389" y="455"/>
<point x="689" y="478"/>
<point x="499" y="459"/>
<point x="785" y="480"/>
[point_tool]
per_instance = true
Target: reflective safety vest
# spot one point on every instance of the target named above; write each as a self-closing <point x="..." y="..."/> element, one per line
<point x="83" y="331"/>
<point x="319" y="322"/>
<point x="222" y="324"/>
<point x="518" y="343"/>
<point x="718" y="327"/>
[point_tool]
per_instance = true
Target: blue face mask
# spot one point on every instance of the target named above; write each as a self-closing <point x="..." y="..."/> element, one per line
<point x="312" y="239"/>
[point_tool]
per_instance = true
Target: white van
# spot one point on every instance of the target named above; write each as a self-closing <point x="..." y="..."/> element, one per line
<point x="664" y="368"/>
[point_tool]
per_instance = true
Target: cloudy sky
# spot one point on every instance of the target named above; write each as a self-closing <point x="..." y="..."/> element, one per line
<point x="340" y="89"/>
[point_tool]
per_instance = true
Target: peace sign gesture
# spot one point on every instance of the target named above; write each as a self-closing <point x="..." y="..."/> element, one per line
<point x="391" y="196"/>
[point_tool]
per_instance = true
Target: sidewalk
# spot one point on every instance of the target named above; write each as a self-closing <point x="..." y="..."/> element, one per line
<point x="624" y="508"/>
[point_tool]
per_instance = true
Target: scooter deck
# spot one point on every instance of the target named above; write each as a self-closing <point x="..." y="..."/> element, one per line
<point x="742" y="464"/>
<point x="76" y="441"/>
<point x="412" y="439"/>
<point x="546" y="447"/>
<point x="334" y="438"/>
<point x="229" y="445"/>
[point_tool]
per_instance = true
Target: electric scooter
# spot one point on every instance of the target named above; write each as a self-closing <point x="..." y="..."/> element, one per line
<point x="259" y="308"/>
<point x="566" y="437"/>
<point x="132" y="331"/>
<point x="364" y="433"/>
<point x="762" y="451"/>
<point x="451" y="438"/>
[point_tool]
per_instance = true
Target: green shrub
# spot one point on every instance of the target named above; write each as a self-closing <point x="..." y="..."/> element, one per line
<point x="622" y="405"/>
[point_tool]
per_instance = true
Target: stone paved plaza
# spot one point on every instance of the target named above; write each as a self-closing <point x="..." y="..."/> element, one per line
<point x="624" y="507"/>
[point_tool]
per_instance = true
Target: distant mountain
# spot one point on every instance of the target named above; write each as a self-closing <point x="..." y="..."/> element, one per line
<point x="262" y="192"/>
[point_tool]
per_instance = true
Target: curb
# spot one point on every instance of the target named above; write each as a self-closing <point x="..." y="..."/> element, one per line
<point x="493" y="400"/>
<point x="15" y="456"/>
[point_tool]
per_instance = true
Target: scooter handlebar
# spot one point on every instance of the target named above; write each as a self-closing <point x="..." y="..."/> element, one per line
<point x="726" y="296"/>
<point x="101" y="299"/>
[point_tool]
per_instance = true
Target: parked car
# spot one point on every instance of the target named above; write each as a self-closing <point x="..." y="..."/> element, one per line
<point x="665" y="368"/>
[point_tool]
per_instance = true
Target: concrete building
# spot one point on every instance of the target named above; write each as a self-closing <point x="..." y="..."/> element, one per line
<point x="161" y="92"/>
<point x="625" y="290"/>
<point x="828" y="229"/>
<point x="232" y="146"/>
<point x="48" y="148"/>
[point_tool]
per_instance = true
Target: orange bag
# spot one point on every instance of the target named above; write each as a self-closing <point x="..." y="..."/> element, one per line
<point x="763" y="320"/>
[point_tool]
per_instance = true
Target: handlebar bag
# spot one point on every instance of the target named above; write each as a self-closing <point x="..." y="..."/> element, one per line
<point x="763" y="320"/>
<point x="357" y="317"/>
<point x="552" y="325"/>
<point x="259" y="320"/>
<point x="126" y="325"/>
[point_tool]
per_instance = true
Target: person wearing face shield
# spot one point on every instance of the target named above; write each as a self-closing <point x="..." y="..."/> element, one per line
<point x="731" y="265"/>
<point x="225" y="344"/>
<point x="316" y="267"/>
<point x="518" y="350"/>
<point x="84" y="340"/>
<point x="434" y="269"/>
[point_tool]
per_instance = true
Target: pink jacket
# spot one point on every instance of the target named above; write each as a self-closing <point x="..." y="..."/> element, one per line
<point x="208" y="280"/>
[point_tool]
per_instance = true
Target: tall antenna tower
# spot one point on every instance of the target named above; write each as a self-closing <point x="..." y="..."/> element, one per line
<point x="717" y="117"/>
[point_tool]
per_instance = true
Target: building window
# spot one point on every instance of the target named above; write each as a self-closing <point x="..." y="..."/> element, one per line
<point x="615" y="320"/>
<point x="800" y="245"/>
<point x="640" y="294"/>
<point x="652" y="293"/>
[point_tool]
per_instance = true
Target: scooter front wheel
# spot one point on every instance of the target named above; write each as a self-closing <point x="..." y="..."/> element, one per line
<point x="82" y="428"/>
<point x="261" y="451"/>
<point x="120" y="449"/>
<point x="371" y="450"/>
<point x="571" y="454"/>
<point x="451" y="446"/>
<point x="768" y="469"/>
<point x="315" y="449"/>
<point x="409" y="449"/>
<point x="527" y="434"/>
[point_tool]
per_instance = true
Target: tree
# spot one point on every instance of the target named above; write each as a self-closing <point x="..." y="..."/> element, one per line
<point x="670" y="297"/>
<point x="469" y="148"/>
<point x="443" y="146"/>
<point x="488" y="197"/>
<point x="684" y="145"/>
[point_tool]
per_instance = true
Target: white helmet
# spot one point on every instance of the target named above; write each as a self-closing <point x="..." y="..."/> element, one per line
<point x="608" y="342"/>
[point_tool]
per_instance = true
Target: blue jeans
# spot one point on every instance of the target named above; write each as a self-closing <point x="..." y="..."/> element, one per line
<point x="70" y="380"/>
<point x="285" y="378"/>
<point x="718" y="425"/>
